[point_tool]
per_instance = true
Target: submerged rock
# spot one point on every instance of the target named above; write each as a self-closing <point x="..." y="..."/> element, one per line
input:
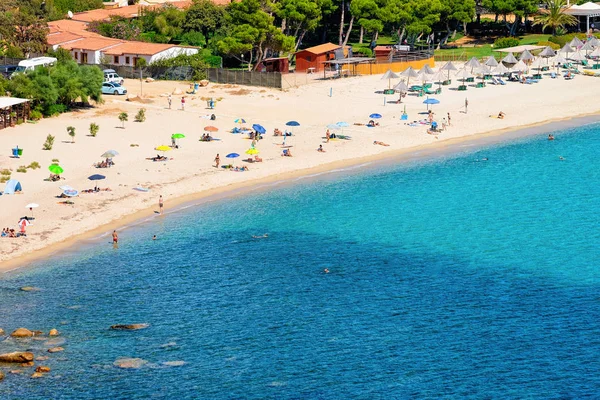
<point x="28" y="364"/>
<point x="130" y="363"/>
<point x="1" y="332"/>
<point x="22" y="332"/>
<point x="16" y="357"/>
<point x="129" y="327"/>
<point x="1" y="375"/>
<point x="30" y="289"/>
<point x="42" y="358"/>
<point x="42" y="368"/>
<point x="55" y="349"/>
<point x="16" y="371"/>
<point x="37" y="375"/>
<point x="53" y="332"/>
<point x="174" y="363"/>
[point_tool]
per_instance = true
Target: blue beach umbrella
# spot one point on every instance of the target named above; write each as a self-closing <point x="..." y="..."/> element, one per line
<point x="232" y="155"/>
<point x="429" y="101"/>
<point x="71" y="193"/>
<point x="292" y="123"/>
<point x="259" y="128"/>
<point x="96" y="177"/>
<point x="343" y="124"/>
<point x="375" y="116"/>
<point x="333" y="126"/>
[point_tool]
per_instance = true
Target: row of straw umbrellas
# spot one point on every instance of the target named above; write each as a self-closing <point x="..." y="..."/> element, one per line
<point x="491" y="66"/>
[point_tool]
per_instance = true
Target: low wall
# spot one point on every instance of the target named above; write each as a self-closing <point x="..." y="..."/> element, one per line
<point x="396" y="66"/>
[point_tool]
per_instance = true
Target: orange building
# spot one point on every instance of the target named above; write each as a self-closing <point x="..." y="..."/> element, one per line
<point x="312" y="59"/>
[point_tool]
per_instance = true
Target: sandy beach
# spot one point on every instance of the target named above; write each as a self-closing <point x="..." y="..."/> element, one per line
<point x="190" y="173"/>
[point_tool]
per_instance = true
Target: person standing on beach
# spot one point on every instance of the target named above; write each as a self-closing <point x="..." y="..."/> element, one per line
<point x="327" y="135"/>
<point x="170" y="100"/>
<point x="115" y="238"/>
<point x="449" y="120"/>
<point x="182" y="103"/>
<point x="160" y="204"/>
<point x="217" y="161"/>
<point x="466" y="105"/>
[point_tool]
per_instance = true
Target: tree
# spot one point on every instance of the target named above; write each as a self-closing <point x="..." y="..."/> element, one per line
<point x="94" y="128"/>
<point x="554" y="16"/>
<point x="368" y="13"/>
<point x="454" y="12"/>
<point x="251" y="30"/>
<point x="71" y="132"/>
<point x="300" y="16"/>
<point x="204" y="16"/>
<point x="520" y="8"/>
<point x="24" y="31"/>
<point x="123" y="117"/>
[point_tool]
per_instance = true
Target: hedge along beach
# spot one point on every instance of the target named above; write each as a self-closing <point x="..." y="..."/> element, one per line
<point x="190" y="173"/>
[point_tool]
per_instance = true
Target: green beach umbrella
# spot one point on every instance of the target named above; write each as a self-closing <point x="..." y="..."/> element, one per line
<point x="177" y="136"/>
<point x="56" y="169"/>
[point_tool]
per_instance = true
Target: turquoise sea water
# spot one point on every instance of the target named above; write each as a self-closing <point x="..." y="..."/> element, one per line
<point x="449" y="278"/>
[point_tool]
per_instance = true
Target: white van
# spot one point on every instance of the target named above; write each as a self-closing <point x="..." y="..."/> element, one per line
<point x="110" y="75"/>
<point x="33" y="63"/>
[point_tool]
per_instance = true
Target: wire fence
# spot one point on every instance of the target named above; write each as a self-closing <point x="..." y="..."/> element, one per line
<point x="184" y="73"/>
<point x="248" y="78"/>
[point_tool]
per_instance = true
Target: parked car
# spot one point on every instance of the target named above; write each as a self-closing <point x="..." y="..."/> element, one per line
<point x="110" y="75"/>
<point x="113" y="88"/>
<point x="7" y="70"/>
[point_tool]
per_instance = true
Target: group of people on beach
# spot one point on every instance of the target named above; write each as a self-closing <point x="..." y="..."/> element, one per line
<point x="11" y="233"/>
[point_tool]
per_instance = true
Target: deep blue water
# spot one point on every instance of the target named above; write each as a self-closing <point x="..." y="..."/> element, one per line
<point x="449" y="278"/>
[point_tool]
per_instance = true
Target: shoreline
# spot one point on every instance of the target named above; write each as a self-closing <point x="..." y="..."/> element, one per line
<point x="452" y="145"/>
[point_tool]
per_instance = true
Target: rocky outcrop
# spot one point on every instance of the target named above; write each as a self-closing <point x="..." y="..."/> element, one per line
<point x="16" y="357"/>
<point x="130" y="327"/>
<point x="1" y="375"/>
<point x="21" y="332"/>
<point x="53" y="332"/>
<point x="42" y="358"/>
<point x="130" y="363"/>
<point x="1" y="332"/>
<point x="43" y="369"/>
<point x="55" y="349"/>
<point x="28" y="364"/>
<point x="37" y="375"/>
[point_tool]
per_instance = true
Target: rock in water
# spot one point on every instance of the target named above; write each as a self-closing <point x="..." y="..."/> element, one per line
<point x="130" y="327"/>
<point x="29" y="289"/>
<point x="130" y="363"/>
<point x="28" y="364"/>
<point x="17" y="357"/>
<point x="53" y="332"/>
<point x="22" y="332"/>
<point x="42" y="358"/>
<point x="37" y="375"/>
<point x="55" y="349"/>
<point x="1" y="332"/>
<point x="1" y="375"/>
<point x="43" y="369"/>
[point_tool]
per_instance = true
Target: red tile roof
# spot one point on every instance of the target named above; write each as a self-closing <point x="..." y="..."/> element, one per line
<point x="91" y="44"/>
<point x="322" y="48"/>
<point x="138" y="48"/>
<point x="62" y="37"/>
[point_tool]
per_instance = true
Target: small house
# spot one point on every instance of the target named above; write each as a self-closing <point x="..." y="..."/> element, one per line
<point x="312" y="59"/>
<point x="276" y="64"/>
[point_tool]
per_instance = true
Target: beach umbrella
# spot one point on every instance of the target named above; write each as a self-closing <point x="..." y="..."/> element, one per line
<point x="426" y="69"/>
<point x="484" y="70"/>
<point x="240" y="121"/>
<point x="500" y="69"/>
<point x="595" y="54"/>
<point x="576" y="42"/>
<point x="594" y="42"/>
<point x="463" y="74"/>
<point x="163" y="148"/>
<point x="375" y="116"/>
<point x="71" y="193"/>
<point x="211" y="129"/>
<point x="389" y="75"/>
<point x="520" y="66"/>
<point x="409" y="73"/>
<point x="448" y="67"/>
<point x="56" y="169"/>
<point x="558" y="61"/>
<point x="491" y="62"/>
<point x="252" y="151"/>
<point x="177" y="136"/>
<point x="292" y="123"/>
<point x="401" y="88"/>
<point x="342" y="124"/>
<point x="438" y="77"/>
<point x="65" y="187"/>
<point x="526" y="56"/>
<point x="31" y="206"/>
<point x="537" y="63"/>
<point x="259" y="128"/>
<point x="423" y="77"/>
<point x="472" y="63"/>
<point x="430" y="100"/>
<point x="96" y="177"/>
<point x="588" y="46"/>
<point x="547" y="52"/>
<point x="577" y="56"/>
<point x="232" y="155"/>
<point x="567" y="49"/>
<point x="509" y="59"/>
<point x="110" y="154"/>
<point x="333" y="126"/>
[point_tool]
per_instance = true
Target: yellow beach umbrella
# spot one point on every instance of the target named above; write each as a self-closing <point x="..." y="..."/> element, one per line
<point x="252" y="151"/>
<point x="163" y="148"/>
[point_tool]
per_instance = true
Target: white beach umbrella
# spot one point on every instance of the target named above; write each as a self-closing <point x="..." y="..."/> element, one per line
<point x="401" y="88"/>
<point x="491" y="62"/>
<point x="389" y="75"/>
<point x="547" y="52"/>
<point x="588" y="46"/>
<point x="595" y="53"/>
<point x="594" y="42"/>
<point x="577" y="56"/>
<point x="520" y="66"/>
<point x="426" y="69"/>
<point x="509" y="59"/>
<point x="559" y="60"/>
<point x="448" y="67"/>
<point x="537" y="63"/>
<point x="576" y="42"/>
<point x="526" y="56"/>
<point x="424" y="77"/>
<point x="500" y="69"/>
<point x="463" y="74"/>
<point x="409" y="73"/>
<point x="472" y="63"/>
<point x="567" y="49"/>
<point x="31" y="206"/>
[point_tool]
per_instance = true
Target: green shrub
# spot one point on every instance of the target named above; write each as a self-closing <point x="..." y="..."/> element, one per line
<point x="5" y="172"/>
<point x="123" y="117"/>
<point x="551" y="44"/>
<point x="94" y="128"/>
<point x="71" y="132"/>
<point x="34" y="165"/>
<point x="49" y="142"/>
<point x="141" y="115"/>
<point x="365" y="51"/>
<point x="35" y="115"/>
<point x="22" y="168"/>
<point x="55" y="161"/>
<point x="53" y="110"/>
<point x="502" y="43"/>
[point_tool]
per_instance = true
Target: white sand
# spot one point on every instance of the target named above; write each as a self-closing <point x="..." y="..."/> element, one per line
<point x="192" y="172"/>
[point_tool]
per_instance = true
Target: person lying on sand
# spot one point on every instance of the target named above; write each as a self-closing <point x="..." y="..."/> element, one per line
<point x="380" y="143"/>
<point x="373" y="123"/>
<point x="277" y="132"/>
<point x="239" y="169"/>
<point x="255" y="159"/>
<point x="321" y="149"/>
<point x="501" y="115"/>
<point x="158" y="158"/>
<point x="287" y="153"/>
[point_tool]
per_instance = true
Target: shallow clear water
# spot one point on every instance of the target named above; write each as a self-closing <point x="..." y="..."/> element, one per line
<point x="450" y="278"/>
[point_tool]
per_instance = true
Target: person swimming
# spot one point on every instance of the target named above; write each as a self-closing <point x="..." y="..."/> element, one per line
<point x="266" y="235"/>
<point x="550" y="137"/>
